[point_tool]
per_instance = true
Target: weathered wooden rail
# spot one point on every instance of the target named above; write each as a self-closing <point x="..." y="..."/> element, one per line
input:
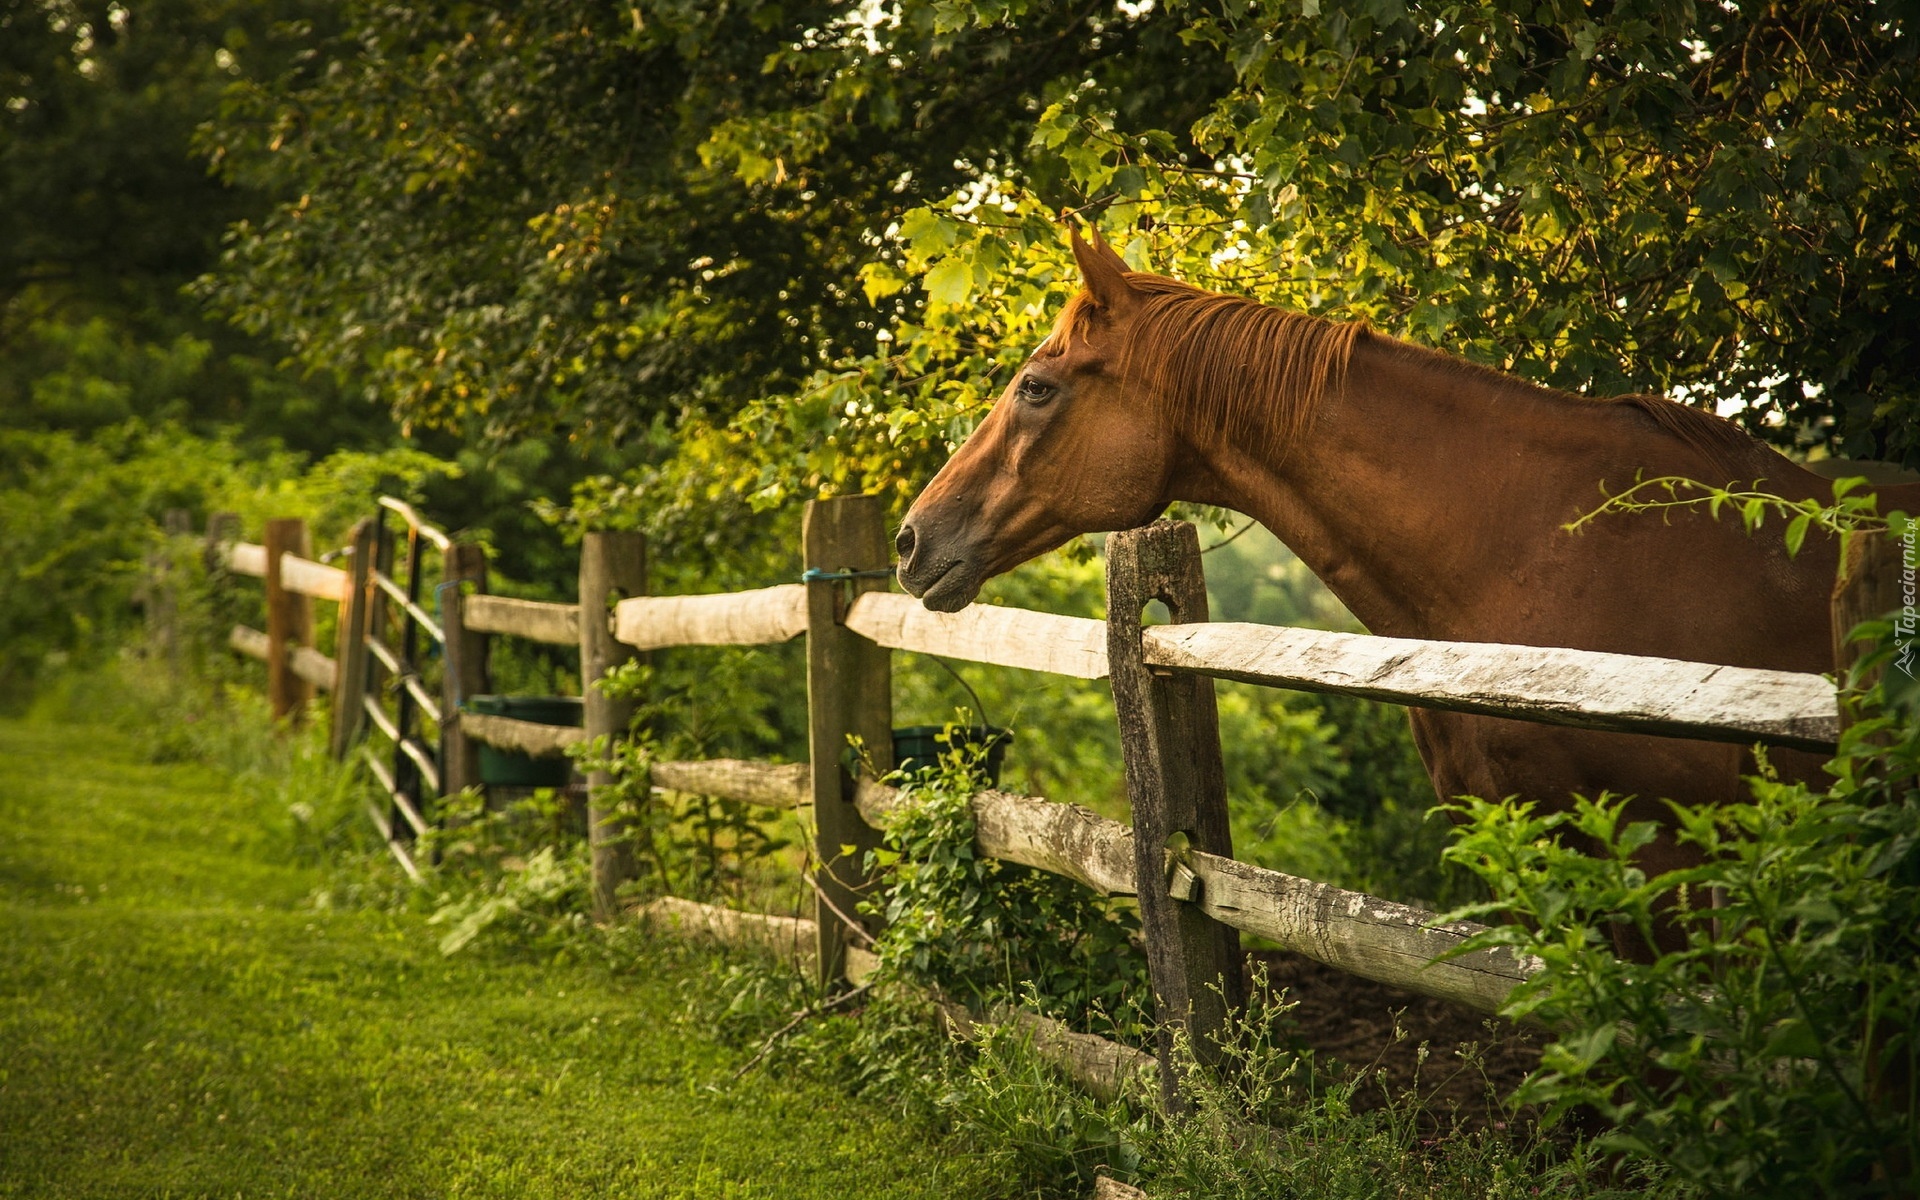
<point x="1195" y="898"/>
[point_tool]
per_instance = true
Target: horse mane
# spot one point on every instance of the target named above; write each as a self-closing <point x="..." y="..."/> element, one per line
<point x="1719" y="441"/>
<point x="1241" y="371"/>
<point x="1238" y="370"/>
<point x="1715" y="438"/>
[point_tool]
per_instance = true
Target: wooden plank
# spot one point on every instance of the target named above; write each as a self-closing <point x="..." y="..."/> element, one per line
<point x="160" y="596"/>
<point x="612" y="566"/>
<point x="1580" y="688"/>
<point x="247" y="558"/>
<point x="429" y="771"/>
<point x="422" y="697"/>
<point x="385" y="657"/>
<point x="849" y="695"/>
<point x="420" y="615"/>
<point x="535" y="620"/>
<point x="402" y="801"/>
<point x="465" y="673"/>
<point x="404" y="859"/>
<point x="1176" y="783"/>
<point x="379" y="818"/>
<point x="1868" y="587"/>
<point x="310" y="578"/>
<point x="385" y="778"/>
<point x="381" y="663"/>
<point x="524" y="737"/>
<point x="781" y="785"/>
<point x="791" y="938"/>
<point x="248" y="641"/>
<point x="381" y="721"/>
<point x="289" y="622"/>
<point x="1062" y="838"/>
<point x="757" y="618"/>
<point x="314" y="667"/>
<point x="1104" y="1068"/>
<point x="415" y="521"/>
<point x="985" y="633"/>
<point x="1361" y="934"/>
<point x="350" y="642"/>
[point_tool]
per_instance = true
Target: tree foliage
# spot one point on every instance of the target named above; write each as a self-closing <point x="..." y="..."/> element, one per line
<point x="812" y="239"/>
<point x="585" y="218"/>
<point x="106" y="212"/>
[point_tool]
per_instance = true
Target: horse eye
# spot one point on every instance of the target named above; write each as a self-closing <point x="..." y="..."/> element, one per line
<point x="1033" y="391"/>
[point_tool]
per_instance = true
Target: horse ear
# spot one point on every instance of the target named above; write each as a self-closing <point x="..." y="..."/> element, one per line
<point x="1103" y="271"/>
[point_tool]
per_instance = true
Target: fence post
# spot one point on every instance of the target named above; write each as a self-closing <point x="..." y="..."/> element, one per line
<point x="162" y="599"/>
<point x="223" y="529"/>
<point x="465" y="671"/>
<point x="289" y="622"/>
<point x="1170" y="746"/>
<point x="849" y="692"/>
<point x="1870" y="586"/>
<point x="350" y="642"/>
<point x="612" y="565"/>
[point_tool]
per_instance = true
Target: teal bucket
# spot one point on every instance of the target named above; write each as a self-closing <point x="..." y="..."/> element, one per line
<point x="510" y="768"/>
<point x="918" y="747"/>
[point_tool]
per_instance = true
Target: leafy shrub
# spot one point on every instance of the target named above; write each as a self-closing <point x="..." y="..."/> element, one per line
<point x="983" y="930"/>
<point x="551" y="884"/>
<point x="704" y="847"/>
<point x="80" y="516"/>
<point x="1774" y="1052"/>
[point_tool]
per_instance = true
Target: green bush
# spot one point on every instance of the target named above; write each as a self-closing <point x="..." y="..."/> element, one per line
<point x="80" y="518"/>
<point x="1774" y="1052"/>
<point x="982" y="930"/>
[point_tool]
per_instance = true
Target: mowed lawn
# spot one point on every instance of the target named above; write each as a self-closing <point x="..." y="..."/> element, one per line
<point x="177" y="1019"/>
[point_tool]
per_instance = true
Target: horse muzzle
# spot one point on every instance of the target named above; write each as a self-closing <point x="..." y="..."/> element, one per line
<point x="944" y="582"/>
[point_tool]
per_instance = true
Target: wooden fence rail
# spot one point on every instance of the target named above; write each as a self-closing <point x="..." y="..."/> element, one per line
<point x="297" y="574"/>
<point x="1584" y="689"/>
<point x="983" y="633"/>
<point x="759" y="618"/>
<point x="306" y="662"/>
<point x="554" y="624"/>
<point x="1196" y="899"/>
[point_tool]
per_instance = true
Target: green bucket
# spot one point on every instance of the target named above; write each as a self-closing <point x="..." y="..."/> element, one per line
<point x="510" y="768"/>
<point x="918" y="747"/>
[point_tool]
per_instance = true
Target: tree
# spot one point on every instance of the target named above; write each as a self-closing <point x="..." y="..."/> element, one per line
<point x="1715" y="202"/>
<point x="582" y="218"/>
<point x="106" y="212"/>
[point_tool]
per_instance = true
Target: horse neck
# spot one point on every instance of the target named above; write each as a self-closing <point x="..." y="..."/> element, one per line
<point x="1432" y="499"/>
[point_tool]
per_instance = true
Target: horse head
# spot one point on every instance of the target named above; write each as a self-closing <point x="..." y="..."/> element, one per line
<point x="1072" y="446"/>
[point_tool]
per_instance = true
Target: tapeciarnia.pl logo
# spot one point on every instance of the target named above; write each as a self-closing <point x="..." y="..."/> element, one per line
<point x="1907" y="621"/>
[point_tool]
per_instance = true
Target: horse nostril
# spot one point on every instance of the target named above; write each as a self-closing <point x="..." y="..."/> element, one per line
<point x="903" y="542"/>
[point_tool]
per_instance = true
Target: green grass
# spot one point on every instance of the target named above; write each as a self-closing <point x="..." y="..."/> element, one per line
<point x="178" y="1019"/>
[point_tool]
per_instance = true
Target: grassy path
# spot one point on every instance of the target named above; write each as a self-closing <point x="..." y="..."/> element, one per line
<point x="176" y="1021"/>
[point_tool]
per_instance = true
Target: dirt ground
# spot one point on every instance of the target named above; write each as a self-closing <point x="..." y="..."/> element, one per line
<point x="1375" y="1028"/>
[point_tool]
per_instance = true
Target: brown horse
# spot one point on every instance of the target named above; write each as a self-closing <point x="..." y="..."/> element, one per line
<point x="1428" y="493"/>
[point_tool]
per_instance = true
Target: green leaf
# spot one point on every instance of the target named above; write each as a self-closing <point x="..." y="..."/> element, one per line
<point x="880" y="280"/>
<point x="1797" y="533"/>
<point x="1793" y="1039"/>
<point x="949" y="284"/>
<point x="928" y="233"/>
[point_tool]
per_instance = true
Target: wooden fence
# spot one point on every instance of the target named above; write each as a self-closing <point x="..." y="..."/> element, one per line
<point x="1195" y="901"/>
